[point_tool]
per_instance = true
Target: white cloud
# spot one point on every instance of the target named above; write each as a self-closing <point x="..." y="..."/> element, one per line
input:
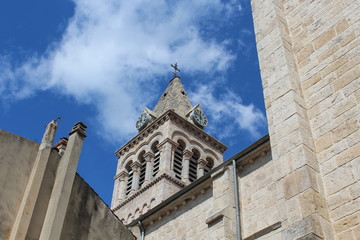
<point x="227" y="110"/>
<point x="112" y="48"/>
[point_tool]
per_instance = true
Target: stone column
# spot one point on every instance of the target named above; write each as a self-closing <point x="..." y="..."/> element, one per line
<point x="64" y="179"/>
<point x="123" y="178"/>
<point x="167" y="148"/>
<point x="23" y="218"/>
<point x="136" y="176"/>
<point x="201" y="166"/>
<point x="149" y="158"/>
<point x="187" y="154"/>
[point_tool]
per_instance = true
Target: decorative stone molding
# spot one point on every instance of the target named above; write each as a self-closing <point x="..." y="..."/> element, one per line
<point x="167" y="140"/>
<point x="136" y="166"/>
<point x="187" y="154"/>
<point x="122" y="175"/>
<point x="178" y="120"/>
<point x="253" y="156"/>
<point x="146" y="187"/>
<point x="202" y="163"/>
<point x="80" y="128"/>
<point x="148" y="156"/>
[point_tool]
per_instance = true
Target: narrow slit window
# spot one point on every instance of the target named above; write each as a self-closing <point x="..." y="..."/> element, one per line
<point x="178" y="158"/>
<point x="156" y="162"/>
<point x="193" y="167"/>
<point x="142" y="171"/>
<point x="130" y="179"/>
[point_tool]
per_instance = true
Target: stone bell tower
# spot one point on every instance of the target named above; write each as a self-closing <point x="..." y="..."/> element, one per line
<point x="170" y="151"/>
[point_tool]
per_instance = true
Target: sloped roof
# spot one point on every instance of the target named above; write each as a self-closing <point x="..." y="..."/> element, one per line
<point x="174" y="98"/>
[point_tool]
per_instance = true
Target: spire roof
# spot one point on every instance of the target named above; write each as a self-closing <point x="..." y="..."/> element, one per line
<point x="174" y="98"/>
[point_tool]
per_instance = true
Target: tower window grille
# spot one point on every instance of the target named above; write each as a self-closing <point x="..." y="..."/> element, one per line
<point x="142" y="172"/>
<point x="156" y="162"/>
<point x="193" y="168"/>
<point x="129" y="181"/>
<point x="178" y="158"/>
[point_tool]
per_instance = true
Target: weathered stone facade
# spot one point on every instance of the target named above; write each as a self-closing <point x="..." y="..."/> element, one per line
<point x="309" y="58"/>
<point x="43" y="198"/>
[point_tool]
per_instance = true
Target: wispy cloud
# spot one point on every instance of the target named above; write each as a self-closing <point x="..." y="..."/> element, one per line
<point x="227" y="110"/>
<point x="112" y="48"/>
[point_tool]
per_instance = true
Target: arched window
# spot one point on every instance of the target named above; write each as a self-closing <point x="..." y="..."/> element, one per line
<point x="178" y="159"/>
<point x="142" y="168"/>
<point x="156" y="152"/>
<point x="130" y="178"/>
<point x="209" y="165"/>
<point x="193" y="165"/>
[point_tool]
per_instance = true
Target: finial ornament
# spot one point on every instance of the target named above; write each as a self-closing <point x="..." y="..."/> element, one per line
<point x="176" y="69"/>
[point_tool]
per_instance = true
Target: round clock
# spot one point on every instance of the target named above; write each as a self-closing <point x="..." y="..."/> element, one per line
<point x="142" y="121"/>
<point x="199" y="118"/>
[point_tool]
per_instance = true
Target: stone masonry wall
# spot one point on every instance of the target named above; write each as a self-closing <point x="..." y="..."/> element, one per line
<point x="154" y="194"/>
<point x="258" y="198"/>
<point x="17" y="157"/>
<point x="327" y="49"/>
<point x="309" y="60"/>
<point x="207" y="212"/>
<point x="88" y="217"/>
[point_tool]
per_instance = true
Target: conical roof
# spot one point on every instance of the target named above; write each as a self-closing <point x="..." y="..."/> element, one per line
<point x="174" y="98"/>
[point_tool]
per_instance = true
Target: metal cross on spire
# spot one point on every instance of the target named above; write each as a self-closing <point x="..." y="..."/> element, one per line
<point x="176" y="69"/>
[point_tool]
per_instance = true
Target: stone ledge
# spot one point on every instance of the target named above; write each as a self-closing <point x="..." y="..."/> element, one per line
<point x="214" y="217"/>
<point x="264" y="231"/>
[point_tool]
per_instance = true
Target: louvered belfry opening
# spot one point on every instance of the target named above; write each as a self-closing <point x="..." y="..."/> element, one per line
<point x="130" y="178"/>
<point x="156" y="152"/>
<point x="209" y="165"/>
<point x="178" y="160"/>
<point x="142" y="169"/>
<point x="193" y="166"/>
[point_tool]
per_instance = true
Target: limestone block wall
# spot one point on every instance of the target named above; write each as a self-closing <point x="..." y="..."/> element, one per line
<point x="17" y="157"/>
<point x="309" y="60"/>
<point x="88" y="217"/>
<point x="204" y="212"/>
<point x="329" y="68"/>
<point x="258" y="196"/>
<point x="188" y="222"/>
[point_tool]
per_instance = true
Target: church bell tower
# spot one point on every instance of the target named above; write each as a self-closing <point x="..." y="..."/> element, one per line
<point x="170" y="151"/>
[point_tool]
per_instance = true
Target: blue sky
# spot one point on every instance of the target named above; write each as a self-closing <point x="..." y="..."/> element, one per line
<point x="102" y="62"/>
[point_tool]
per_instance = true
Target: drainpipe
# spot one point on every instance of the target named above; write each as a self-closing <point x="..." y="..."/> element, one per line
<point x="237" y="204"/>
<point x="142" y="230"/>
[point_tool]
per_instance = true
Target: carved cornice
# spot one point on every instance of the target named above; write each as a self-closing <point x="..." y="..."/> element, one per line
<point x="187" y="154"/>
<point x="148" y="156"/>
<point x="148" y="186"/>
<point x="178" y="120"/>
<point x="122" y="175"/>
<point x="202" y="163"/>
<point x="136" y="166"/>
<point x="167" y="140"/>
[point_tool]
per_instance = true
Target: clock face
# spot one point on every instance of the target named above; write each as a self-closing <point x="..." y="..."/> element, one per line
<point x="200" y="118"/>
<point x="142" y="121"/>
